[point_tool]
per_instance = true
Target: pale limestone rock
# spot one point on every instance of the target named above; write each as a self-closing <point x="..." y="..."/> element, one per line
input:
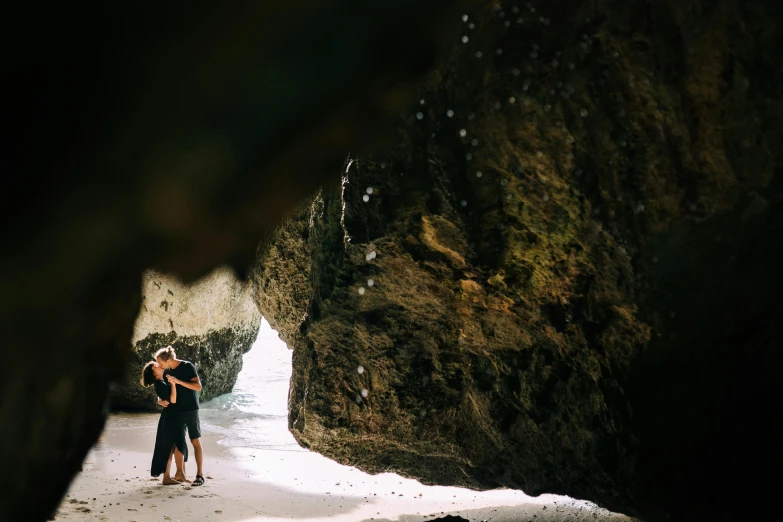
<point x="211" y="322"/>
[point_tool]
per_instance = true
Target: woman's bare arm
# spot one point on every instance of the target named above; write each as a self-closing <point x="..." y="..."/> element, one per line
<point x="173" y="395"/>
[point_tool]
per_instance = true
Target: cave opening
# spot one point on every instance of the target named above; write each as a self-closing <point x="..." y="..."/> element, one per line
<point x="556" y="270"/>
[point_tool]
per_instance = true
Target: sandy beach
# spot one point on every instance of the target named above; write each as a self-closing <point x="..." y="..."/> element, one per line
<point x="255" y="470"/>
<point x="252" y="484"/>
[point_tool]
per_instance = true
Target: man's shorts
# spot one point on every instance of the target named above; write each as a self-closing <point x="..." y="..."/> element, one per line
<point x="191" y="420"/>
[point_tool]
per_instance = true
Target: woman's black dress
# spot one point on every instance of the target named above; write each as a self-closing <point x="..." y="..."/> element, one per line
<point x="171" y="431"/>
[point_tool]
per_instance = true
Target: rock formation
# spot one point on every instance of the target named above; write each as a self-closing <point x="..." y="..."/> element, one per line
<point x="564" y="276"/>
<point x="211" y="323"/>
<point x="579" y="295"/>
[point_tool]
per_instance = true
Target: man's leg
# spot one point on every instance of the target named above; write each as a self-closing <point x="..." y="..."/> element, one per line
<point x="199" y="456"/>
<point x="194" y="432"/>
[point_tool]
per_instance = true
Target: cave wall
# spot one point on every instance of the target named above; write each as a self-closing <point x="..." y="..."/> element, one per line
<point x="577" y="295"/>
<point x="147" y="136"/>
<point x="150" y="139"/>
<point x="210" y="322"/>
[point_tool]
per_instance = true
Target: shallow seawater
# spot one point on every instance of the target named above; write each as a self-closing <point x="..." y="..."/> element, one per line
<point x="255" y="414"/>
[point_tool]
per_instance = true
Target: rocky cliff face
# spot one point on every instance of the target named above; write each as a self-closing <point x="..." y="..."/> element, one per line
<point x="210" y="322"/>
<point x="564" y="275"/>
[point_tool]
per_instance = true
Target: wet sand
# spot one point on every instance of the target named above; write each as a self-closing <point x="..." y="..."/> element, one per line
<point x="251" y="484"/>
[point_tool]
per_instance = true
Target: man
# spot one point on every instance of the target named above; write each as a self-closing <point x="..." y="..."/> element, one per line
<point x="183" y="375"/>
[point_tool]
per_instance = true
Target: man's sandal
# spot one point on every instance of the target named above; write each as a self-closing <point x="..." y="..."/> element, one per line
<point x="198" y="482"/>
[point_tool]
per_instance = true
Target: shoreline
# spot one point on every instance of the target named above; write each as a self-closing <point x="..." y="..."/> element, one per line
<point x="264" y="485"/>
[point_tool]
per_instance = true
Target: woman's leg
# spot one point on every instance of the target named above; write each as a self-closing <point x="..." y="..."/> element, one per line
<point x="180" y="449"/>
<point x="179" y="458"/>
<point x="167" y="480"/>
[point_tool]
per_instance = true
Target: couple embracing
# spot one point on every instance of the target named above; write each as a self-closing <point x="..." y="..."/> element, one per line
<point x="177" y="385"/>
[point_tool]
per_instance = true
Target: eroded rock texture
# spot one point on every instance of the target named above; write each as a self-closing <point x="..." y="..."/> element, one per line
<point x="210" y="322"/>
<point x="569" y="284"/>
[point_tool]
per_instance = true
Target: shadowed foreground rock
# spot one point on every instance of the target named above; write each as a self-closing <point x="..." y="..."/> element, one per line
<point x="156" y="136"/>
<point x="211" y="323"/>
<point x="564" y="276"/>
<point x="579" y="295"/>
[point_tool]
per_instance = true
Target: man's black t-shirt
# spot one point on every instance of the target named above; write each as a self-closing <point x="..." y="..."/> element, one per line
<point x="187" y="400"/>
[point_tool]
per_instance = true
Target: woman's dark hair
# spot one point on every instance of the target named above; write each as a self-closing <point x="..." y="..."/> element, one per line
<point x="147" y="375"/>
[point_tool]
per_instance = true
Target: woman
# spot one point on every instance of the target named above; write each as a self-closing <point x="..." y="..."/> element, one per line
<point x="171" y="430"/>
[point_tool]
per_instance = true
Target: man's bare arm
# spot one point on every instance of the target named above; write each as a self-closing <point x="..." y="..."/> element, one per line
<point x="194" y="384"/>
